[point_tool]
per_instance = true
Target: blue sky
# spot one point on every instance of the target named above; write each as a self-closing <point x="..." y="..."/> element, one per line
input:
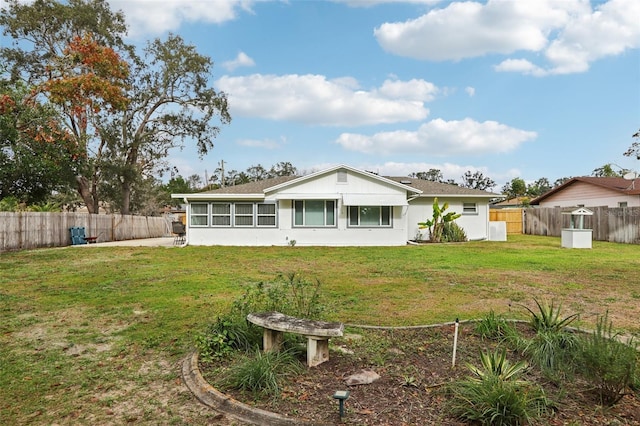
<point x="530" y="89"/>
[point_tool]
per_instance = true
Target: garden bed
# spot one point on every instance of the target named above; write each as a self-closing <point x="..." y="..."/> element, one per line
<point x="416" y="370"/>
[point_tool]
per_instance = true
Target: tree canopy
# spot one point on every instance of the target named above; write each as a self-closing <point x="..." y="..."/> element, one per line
<point x="123" y="111"/>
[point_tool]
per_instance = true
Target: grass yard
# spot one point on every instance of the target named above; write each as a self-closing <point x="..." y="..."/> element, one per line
<point x="94" y="335"/>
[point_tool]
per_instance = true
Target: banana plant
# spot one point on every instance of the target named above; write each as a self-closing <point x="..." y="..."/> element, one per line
<point x="437" y="222"/>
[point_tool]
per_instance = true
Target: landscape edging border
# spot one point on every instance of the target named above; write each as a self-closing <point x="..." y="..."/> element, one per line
<point x="222" y="403"/>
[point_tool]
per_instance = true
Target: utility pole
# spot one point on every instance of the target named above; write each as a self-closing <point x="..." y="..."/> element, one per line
<point x="222" y="173"/>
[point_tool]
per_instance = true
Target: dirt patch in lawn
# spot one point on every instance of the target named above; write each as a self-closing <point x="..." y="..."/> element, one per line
<point x="415" y="368"/>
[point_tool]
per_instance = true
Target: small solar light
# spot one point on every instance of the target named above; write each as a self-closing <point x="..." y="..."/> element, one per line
<point x="341" y="396"/>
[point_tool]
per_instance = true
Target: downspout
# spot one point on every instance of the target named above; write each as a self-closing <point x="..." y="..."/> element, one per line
<point x="187" y="221"/>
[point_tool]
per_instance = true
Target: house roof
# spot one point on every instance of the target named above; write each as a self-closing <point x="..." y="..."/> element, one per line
<point x="436" y="189"/>
<point x="418" y="187"/>
<point x="621" y="185"/>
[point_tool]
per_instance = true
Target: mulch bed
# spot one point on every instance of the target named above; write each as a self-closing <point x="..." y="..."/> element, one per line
<point x="415" y="366"/>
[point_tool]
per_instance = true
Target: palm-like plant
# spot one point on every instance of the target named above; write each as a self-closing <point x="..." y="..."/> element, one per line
<point x="495" y="364"/>
<point x="548" y="317"/>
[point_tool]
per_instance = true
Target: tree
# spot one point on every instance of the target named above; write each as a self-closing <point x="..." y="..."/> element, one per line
<point x="560" y="181"/>
<point x="433" y="175"/>
<point x="70" y="67"/>
<point x="283" y="168"/>
<point x="606" y="171"/>
<point x="438" y="221"/>
<point x="126" y="115"/>
<point x="538" y="187"/>
<point x="515" y="188"/>
<point x="477" y="181"/>
<point x="35" y="154"/>
<point x="171" y="103"/>
<point x="634" y="149"/>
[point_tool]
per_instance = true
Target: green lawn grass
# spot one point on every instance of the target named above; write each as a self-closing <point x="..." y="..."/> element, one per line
<point x="93" y="335"/>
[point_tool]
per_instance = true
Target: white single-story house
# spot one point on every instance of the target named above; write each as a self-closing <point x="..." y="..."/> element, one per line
<point x="339" y="206"/>
<point x="592" y="192"/>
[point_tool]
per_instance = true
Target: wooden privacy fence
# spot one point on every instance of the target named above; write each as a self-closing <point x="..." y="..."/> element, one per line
<point x="613" y="224"/>
<point x="513" y="218"/>
<point x="28" y="230"/>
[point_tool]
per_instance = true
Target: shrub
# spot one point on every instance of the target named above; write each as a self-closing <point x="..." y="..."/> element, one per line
<point x="262" y="373"/>
<point x="495" y="395"/>
<point x="224" y="337"/>
<point x="290" y="294"/>
<point x="496" y="327"/>
<point x="554" y="347"/>
<point x="607" y="363"/>
<point x="453" y="233"/>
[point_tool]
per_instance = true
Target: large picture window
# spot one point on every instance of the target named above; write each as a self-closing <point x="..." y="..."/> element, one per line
<point x="370" y="216"/>
<point x="314" y="213"/>
<point x="199" y="214"/>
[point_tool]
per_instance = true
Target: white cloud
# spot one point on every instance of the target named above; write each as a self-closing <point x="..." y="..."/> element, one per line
<point x="416" y="90"/>
<point x="569" y="33"/>
<point x="441" y="138"/>
<point x="153" y="17"/>
<point x="313" y="99"/>
<point x="242" y="60"/>
<point x="264" y="143"/>
<point x="471" y="91"/>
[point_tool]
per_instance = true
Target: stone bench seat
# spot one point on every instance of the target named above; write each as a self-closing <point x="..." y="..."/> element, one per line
<point x="316" y="332"/>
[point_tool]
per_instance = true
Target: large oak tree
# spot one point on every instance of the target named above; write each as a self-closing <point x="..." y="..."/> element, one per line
<point x="124" y="111"/>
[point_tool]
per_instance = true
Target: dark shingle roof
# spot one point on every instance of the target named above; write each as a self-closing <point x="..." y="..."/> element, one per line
<point x="430" y="188"/>
<point x="257" y="187"/>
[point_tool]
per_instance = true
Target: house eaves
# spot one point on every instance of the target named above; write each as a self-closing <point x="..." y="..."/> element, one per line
<point x="368" y="175"/>
<point x="620" y="185"/>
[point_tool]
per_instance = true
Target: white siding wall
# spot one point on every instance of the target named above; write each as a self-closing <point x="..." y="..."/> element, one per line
<point x="341" y="235"/>
<point x="475" y="225"/>
<point x="589" y="196"/>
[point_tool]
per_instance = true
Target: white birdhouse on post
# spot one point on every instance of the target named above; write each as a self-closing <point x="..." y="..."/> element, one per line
<point x="577" y="236"/>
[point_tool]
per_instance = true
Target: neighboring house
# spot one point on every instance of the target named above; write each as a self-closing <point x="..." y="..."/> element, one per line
<point x="511" y="203"/>
<point x="592" y="192"/>
<point x="339" y="206"/>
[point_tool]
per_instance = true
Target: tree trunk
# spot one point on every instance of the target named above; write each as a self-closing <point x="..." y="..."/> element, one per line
<point x="84" y="189"/>
<point x="126" y="197"/>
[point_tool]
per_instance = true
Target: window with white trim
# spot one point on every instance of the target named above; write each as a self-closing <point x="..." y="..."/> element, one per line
<point x="220" y="214"/>
<point x="314" y="213"/>
<point x="469" y="208"/>
<point x="243" y="214"/>
<point x="266" y="214"/>
<point x="199" y="214"/>
<point x="370" y="216"/>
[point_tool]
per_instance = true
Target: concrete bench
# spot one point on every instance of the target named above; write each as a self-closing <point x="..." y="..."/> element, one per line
<point x="316" y="332"/>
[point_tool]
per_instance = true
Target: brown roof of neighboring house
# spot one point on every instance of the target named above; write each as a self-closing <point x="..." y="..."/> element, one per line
<point x="618" y="184"/>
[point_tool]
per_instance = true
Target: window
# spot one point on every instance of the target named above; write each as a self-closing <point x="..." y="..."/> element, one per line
<point x="243" y="214"/>
<point x="622" y="204"/>
<point x="221" y="214"/>
<point x="370" y="216"/>
<point x="469" y="208"/>
<point x="342" y="176"/>
<point x="199" y="214"/>
<point x="266" y="215"/>
<point x="314" y="213"/>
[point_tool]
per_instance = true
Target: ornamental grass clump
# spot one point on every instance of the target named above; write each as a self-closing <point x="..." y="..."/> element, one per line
<point x="609" y="365"/>
<point x="496" y="327"/>
<point x="262" y="373"/>
<point x="495" y="394"/>
<point x="554" y="346"/>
